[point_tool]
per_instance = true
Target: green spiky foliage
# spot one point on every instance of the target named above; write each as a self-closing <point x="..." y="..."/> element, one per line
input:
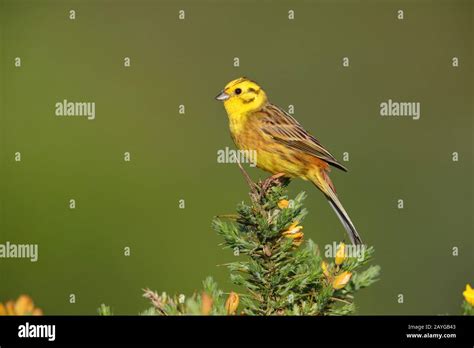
<point x="279" y="274"/>
<point x="104" y="310"/>
<point x="467" y="309"/>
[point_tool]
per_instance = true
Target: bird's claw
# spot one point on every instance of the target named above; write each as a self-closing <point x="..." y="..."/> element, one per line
<point x="274" y="180"/>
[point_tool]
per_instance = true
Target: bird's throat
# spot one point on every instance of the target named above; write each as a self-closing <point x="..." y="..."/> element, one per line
<point x="237" y="122"/>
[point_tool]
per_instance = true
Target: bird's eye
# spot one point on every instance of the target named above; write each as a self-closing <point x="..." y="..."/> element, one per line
<point x="238" y="91"/>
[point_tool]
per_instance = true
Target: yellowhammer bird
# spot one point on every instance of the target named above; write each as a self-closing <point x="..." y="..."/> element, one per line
<point x="281" y="144"/>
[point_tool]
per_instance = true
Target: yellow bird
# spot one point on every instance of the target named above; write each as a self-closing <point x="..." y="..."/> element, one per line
<point x="281" y="144"/>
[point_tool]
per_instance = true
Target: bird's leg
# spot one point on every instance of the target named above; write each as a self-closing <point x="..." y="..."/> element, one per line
<point x="277" y="176"/>
<point x="275" y="179"/>
<point x="248" y="179"/>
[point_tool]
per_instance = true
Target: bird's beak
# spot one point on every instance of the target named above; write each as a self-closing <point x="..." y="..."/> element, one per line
<point x="222" y="96"/>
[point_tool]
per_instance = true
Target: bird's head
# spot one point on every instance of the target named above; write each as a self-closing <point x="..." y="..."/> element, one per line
<point x="242" y="95"/>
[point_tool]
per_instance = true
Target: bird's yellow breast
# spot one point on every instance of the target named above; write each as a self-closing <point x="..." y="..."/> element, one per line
<point x="237" y="123"/>
<point x="271" y="156"/>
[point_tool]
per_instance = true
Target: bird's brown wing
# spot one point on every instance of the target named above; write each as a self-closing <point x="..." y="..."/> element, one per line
<point x="286" y="130"/>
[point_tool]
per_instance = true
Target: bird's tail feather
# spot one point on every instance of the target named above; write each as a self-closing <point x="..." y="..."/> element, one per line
<point x="323" y="182"/>
<point x="346" y="221"/>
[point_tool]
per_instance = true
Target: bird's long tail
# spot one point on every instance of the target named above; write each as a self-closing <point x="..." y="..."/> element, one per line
<point x="324" y="183"/>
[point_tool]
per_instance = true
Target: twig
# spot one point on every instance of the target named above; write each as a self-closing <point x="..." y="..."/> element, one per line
<point x="340" y="299"/>
<point x="155" y="300"/>
<point x="228" y="216"/>
<point x="249" y="181"/>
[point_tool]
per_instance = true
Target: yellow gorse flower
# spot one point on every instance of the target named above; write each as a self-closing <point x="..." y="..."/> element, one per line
<point x="294" y="232"/>
<point x="232" y="303"/>
<point x="299" y="240"/>
<point x="283" y="204"/>
<point x="341" y="280"/>
<point x="469" y="295"/>
<point x="324" y="267"/>
<point x="22" y="306"/>
<point x="340" y="254"/>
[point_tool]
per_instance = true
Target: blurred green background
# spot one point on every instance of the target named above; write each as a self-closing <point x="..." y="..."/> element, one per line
<point x="174" y="156"/>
